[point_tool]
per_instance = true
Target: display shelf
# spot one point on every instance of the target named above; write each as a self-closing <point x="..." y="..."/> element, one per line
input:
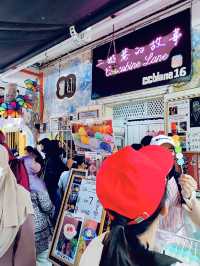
<point x="180" y="247"/>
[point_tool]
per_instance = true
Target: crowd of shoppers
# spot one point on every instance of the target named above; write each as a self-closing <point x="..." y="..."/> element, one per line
<point x="147" y="193"/>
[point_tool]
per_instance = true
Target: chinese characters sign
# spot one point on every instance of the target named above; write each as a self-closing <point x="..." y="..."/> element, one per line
<point x="155" y="52"/>
<point x="156" y="55"/>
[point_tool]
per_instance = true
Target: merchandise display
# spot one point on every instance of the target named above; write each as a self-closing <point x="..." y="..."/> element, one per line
<point x="93" y="136"/>
<point x="14" y="104"/>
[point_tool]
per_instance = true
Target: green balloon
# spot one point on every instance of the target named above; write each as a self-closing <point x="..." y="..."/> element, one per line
<point x="21" y="103"/>
<point x="178" y="149"/>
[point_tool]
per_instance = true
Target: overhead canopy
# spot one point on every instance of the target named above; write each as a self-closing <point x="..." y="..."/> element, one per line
<point x="30" y="27"/>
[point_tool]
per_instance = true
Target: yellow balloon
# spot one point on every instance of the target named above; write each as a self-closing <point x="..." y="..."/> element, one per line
<point x="85" y="140"/>
<point x="176" y="138"/>
<point x="82" y="131"/>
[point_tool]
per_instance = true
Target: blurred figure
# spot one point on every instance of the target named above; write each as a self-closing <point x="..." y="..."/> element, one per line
<point x="64" y="178"/>
<point x="33" y="168"/>
<point x="174" y="220"/>
<point x="53" y="169"/>
<point x="17" y="245"/>
<point x="43" y="208"/>
<point x="44" y="144"/>
<point x="15" y="153"/>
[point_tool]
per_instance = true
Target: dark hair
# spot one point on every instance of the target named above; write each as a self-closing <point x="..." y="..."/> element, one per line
<point x="146" y="140"/>
<point x="38" y="157"/>
<point x="122" y="246"/>
<point x="136" y="146"/>
<point x="79" y="159"/>
<point x="46" y="145"/>
<point x="29" y="149"/>
<point x="44" y="141"/>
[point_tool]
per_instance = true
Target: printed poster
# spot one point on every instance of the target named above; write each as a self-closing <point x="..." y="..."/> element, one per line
<point x="178" y="117"/>
<point x="67" y="244"/>
<point x="195" y="112"/>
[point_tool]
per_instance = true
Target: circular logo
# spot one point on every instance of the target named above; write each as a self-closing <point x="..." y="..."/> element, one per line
<point x="66" y="86"/>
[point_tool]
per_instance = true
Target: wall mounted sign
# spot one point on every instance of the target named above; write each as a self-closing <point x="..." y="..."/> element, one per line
<point x="93" y="114"/>
<point x="66" y="86"/>
<point x="156" y="55"/>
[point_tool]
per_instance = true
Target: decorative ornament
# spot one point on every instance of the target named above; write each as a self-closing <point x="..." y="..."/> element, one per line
<point x="178" y="151"/>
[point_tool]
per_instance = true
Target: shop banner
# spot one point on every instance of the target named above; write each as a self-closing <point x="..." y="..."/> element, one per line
<point x="155" y="55"/>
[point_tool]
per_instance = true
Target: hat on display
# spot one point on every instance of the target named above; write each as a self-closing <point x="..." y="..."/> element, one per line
<point x="162" y="139"/>
<point x="132" y="183"/>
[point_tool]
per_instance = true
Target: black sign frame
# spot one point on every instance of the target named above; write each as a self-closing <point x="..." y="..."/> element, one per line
<point x="103" y="86"/>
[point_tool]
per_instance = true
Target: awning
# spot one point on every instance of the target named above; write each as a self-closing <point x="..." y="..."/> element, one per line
<point x="30" y="27"/>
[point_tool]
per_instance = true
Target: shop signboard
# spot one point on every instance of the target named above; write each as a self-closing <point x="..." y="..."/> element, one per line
<point x="155" y="55"/>
<point x="66" y="87"/>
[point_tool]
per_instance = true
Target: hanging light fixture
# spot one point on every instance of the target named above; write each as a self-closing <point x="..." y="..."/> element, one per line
<point x="112" y="58"/>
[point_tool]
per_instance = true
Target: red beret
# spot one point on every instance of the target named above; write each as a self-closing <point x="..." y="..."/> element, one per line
<point x="132" y="183"/>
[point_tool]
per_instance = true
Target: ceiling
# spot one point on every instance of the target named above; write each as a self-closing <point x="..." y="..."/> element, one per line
<point x="29" y="27"/>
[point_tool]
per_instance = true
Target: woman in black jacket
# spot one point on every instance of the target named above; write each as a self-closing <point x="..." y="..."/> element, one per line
<point x="53" y="168"/>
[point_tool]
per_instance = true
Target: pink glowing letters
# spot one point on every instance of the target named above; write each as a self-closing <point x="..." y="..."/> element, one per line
<point x="158" y="50"/>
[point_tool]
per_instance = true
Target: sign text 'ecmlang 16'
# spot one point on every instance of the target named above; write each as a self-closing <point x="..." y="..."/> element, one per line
<point x="156" y="51"/>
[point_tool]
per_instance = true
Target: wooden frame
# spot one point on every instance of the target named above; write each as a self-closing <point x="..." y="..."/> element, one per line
<point x="67" y="249"/>
<point x="90" y="114"/>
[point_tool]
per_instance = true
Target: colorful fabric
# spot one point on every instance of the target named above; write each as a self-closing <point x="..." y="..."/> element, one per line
<point x="43" y="210"/>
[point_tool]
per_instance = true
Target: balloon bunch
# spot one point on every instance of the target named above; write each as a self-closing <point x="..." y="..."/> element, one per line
<point x="31" y="89"/>
<point x="13" y="108"/>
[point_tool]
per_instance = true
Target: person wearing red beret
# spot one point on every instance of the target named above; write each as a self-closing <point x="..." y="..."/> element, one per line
<point x="131" y="186"/>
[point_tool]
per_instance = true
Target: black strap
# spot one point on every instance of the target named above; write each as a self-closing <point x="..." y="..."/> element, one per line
<point x="16" y="246"/>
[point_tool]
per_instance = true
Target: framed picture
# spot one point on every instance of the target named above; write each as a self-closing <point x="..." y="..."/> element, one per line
<point x="93" y="114"/>
<point x="81" y="219"/>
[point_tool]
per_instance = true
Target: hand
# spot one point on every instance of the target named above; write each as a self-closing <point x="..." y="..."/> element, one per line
<point x="188" y="185"/>
<point x="192" y="206"/>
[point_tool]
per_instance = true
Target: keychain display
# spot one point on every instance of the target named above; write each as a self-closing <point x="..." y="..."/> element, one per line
<point x="178" y="151"/>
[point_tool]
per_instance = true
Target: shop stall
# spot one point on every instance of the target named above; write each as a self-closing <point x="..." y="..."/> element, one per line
<point x="133" y="82"/>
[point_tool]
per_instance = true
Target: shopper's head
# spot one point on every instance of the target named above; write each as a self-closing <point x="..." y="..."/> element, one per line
<point x="146" y="140"/>
<point x="29" y="150"/>
<point x="168" y="143"/>
<point x="80" y="161"/>
<point x="133" y="194"/>
<point x="164" y="141"/>
<point x="44" y="145"/>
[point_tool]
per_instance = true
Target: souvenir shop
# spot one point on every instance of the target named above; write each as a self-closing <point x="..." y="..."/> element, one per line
<point x="139" y="87"/>
<point x="20" y="110"/>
